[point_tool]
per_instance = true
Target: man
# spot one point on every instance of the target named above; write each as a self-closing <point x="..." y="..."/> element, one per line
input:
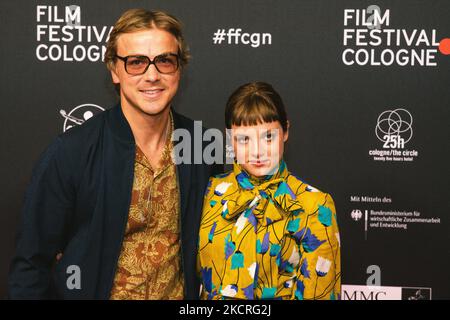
<point x="108" y="214"/>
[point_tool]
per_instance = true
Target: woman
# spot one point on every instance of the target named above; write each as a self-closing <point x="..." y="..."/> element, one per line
<point x="264" y="233"/>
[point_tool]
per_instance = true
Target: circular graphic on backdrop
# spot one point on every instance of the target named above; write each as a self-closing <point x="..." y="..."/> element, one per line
<point x="79" y="115"/>
<point x="396" y="122"/>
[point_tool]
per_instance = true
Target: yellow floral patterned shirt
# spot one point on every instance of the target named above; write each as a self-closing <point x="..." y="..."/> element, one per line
<point x="268" y="238"/>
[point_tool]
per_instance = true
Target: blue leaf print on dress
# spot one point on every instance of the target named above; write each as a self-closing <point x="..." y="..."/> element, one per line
<point x="258" y="246"/>
<point x="304" y="269"/>
<point x="283" y="189"/>
<point x="274" y="249"/>
<point x="285" y="266"/>
<point x="211" y="232"/>
<point x="268" y="293"/>
<point x="252" y="220"/>
<point x="310" y="242"/>
<point x="248" y="212"/>
<point x="293" y="225"/>
<point x="237" y="261"/>
<point x="244" y="182"/>
<point x="298" y="235"/>
<point x="207" y="278"/>
<point x="300" y="290"/>
<point x="325" y="216"/>
<point x="265" y="243"/>
<point x="248" y="292"/>
<point x="229" y="247"/>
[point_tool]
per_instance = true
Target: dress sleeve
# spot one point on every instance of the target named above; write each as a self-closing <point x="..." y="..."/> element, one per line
<point x="319" y="274"/>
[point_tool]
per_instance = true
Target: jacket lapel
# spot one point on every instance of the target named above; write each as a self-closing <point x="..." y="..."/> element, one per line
<point x="184" y="170"/>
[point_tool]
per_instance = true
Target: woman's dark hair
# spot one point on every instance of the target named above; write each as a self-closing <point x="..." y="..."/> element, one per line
<point x="255" y="103"/>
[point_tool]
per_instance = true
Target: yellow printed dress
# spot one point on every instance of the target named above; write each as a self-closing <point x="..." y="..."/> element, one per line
<point x="268" y="238"/>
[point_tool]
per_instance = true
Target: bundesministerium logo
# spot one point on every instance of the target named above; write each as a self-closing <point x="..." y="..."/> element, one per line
<point x="79" y="115"/>
<point x="356" y="214"/>
<point x="394" y="129"/>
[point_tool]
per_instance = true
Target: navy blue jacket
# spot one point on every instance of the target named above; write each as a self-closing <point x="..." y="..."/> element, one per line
<point x="77" y="203"/>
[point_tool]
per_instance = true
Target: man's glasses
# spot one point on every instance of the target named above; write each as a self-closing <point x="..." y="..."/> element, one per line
<point x="164" y="63"/>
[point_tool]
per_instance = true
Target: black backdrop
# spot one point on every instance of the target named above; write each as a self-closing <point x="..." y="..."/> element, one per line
<point x="393" y="213"/>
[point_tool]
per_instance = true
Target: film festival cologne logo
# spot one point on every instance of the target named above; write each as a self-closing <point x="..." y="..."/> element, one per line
<point x="61" y="36"/>
<point x="370" y="40"/>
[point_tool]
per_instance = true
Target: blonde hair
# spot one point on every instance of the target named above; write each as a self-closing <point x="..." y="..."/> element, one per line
<point x="140" y="19"/>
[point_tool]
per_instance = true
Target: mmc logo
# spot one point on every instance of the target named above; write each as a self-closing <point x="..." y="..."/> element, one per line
<point x="352" y="292"/>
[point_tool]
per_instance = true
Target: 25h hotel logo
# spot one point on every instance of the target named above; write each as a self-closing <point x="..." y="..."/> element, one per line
<point x="394" y="130"/>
